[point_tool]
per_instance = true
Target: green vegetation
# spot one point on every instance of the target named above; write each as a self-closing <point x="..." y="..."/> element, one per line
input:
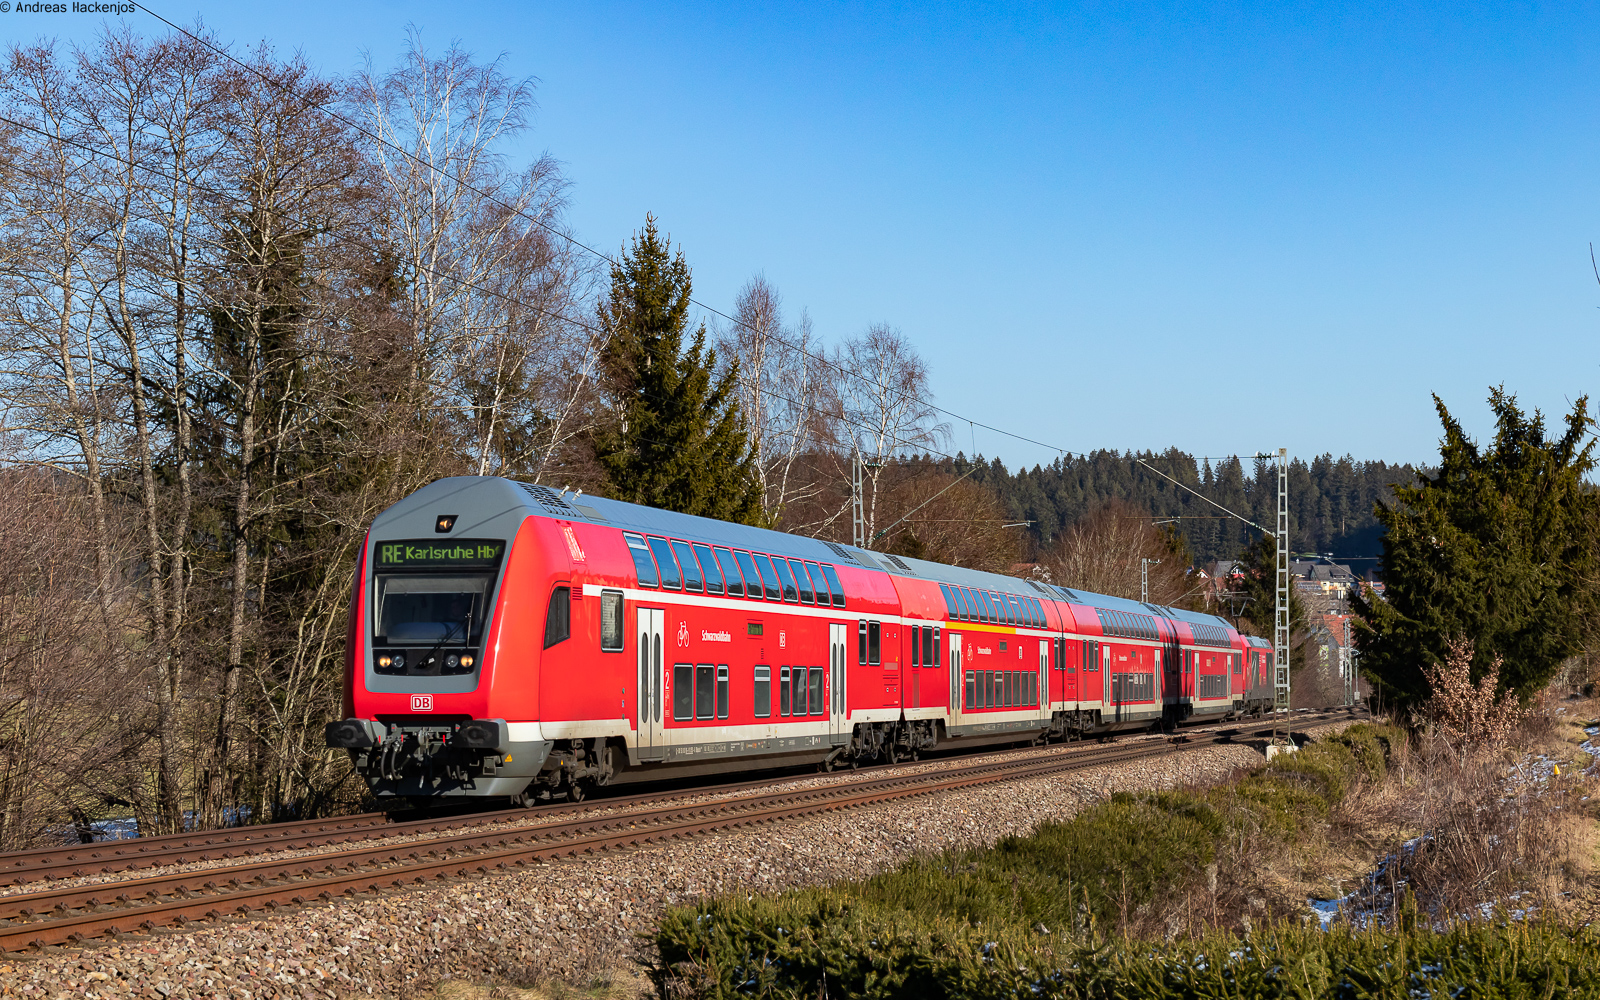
<point x="779" y="950"/>
<point x="676" y="438"/>
<point x="1073" y="909"/>
<point x="1497" y="548"/>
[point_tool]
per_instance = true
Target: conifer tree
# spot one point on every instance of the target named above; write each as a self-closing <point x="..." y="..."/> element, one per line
<point x="676" y="439"/>
<point x="1497" y="548"/>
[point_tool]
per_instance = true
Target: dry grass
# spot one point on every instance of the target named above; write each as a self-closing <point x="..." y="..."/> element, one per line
<point x="1469" y="834"/>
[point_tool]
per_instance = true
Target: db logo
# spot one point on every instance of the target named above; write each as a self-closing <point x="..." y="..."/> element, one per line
<point x="683" y="633"/>
<point x="422" y="703"/>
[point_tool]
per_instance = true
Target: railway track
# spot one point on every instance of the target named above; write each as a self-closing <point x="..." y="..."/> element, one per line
<point x="66" y="915"/>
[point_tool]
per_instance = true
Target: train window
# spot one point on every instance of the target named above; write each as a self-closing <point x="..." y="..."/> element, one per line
<point x="705" y="680"/>
<point x="611" y="619"/>
<point x="861" y="644"/>
<point x="817" y="706"/>
<point x="790" y="592"/>
<point x="783" y="691"/>
<point x="708" y="566"/>
<point x="722" y="691"/>
<point x="929" y="656"/>
<point x="949" y="601"/>
<point x="991" y="696"/>
<point x="752" y="579"/>
<point x="1015" y="603"/>
<point x="692" y="580"/>
<point x="981" y="603"/>
<point x="963" y="609"/>
<point x="769" y="578"/>
<point x="682" y="691"/>
<point x="916" y="646"/>
<point x="935" y="661"/>
<point x="818" y="583"/>
<point x="797" y="680"/>
<point x="1238" y="664"/>
<point x="835" y="591"/>
<point x="642" y="563"/>
<point x="668" y="565"/>
<point x="762" y="689"/>
<point x="558" y="620"/>
<point x="801" y="577"/>
<point x="1038" y="614"/>
<point x="874" y="642"/>
<point x="730" y="573"/>
<point x="970" y="690"/>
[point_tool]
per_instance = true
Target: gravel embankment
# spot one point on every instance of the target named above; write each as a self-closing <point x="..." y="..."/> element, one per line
<point x="568" y="918"/>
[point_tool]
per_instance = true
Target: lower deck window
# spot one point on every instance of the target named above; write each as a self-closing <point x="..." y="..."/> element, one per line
<point x="817" y="707"/>
<point x="682" y="691"/>
<point x="797" y="681"/>
<point x="705" y="676"/>
<point x="762" y="688"/>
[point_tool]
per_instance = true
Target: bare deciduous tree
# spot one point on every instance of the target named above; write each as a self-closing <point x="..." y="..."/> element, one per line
<point x="784" y="391"/>
<point x="1102" y="554"/>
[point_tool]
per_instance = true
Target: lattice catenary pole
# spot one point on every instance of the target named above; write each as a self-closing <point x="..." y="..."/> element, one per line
<point x="1280" y="638"/>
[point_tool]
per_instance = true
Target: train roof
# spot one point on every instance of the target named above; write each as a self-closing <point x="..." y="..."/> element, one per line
<point x="650" y="520"/>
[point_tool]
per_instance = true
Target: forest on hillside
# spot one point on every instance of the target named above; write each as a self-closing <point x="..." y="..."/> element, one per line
<point x="1331" y="500"/>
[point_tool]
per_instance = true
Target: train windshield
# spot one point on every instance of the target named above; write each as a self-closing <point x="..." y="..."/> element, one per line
<point x="431" y="608"/>
<point x="433" y="594"/>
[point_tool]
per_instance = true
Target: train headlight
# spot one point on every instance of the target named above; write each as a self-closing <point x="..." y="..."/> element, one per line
<point x="451" y="661"/>
<point x="384" y="661"/>
<point x="467" y="661"/>
<point x="399" y="661"/>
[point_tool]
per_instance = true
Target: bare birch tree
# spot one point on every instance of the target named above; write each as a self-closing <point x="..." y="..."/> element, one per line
<point x="882" y="404"/>
<point x="784" y="392"/>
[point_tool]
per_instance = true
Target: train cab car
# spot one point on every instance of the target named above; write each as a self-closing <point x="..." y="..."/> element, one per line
<point x="510" y="641"/>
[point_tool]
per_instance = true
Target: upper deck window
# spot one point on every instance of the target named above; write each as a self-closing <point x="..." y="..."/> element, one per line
<point x="668" y="565"/>
<point x="949" y="601"/>
<point x="730" y="572"/>
<point x="692" y="580"/>
<point x="708" y="564"/>
<point x="769" y="577"/>
<point x="835" y="591"/>
<point x="642" y="563"/>
<point x="790" y="593"/>
<point x="752" y="579"/>
<point x="801" y="577"/>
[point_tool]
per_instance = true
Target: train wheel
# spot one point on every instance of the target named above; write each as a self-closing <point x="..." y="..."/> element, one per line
<point x="825" y="765"/>
<point x="576" y="792"/>
<point x="891" y="755"/>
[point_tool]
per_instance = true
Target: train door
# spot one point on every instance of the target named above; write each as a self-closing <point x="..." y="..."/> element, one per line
<point x="650" y="742"/>
<point x="1044" y="678"/>
<point x="954" y="641"/>
<point x="837" y="712"/>
<point x="1105" y="673"/>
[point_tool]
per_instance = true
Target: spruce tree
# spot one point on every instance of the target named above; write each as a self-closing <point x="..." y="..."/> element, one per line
<point x="676" y="439"/>
<point x="1498" y="547"/>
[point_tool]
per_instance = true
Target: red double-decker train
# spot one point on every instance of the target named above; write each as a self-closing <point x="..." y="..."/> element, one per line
<point x="512" y="641"/>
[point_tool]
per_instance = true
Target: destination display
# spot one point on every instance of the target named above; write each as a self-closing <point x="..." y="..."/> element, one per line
<point x="429" y="554"/>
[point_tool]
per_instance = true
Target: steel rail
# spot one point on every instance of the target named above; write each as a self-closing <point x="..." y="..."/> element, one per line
<point x="47" y="916"/>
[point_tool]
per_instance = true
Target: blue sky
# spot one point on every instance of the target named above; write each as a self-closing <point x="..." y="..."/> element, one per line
<point x="1224" y="228"/>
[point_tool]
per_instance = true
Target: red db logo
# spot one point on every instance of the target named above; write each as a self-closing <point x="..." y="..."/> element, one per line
<point x="422" y="703"/>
